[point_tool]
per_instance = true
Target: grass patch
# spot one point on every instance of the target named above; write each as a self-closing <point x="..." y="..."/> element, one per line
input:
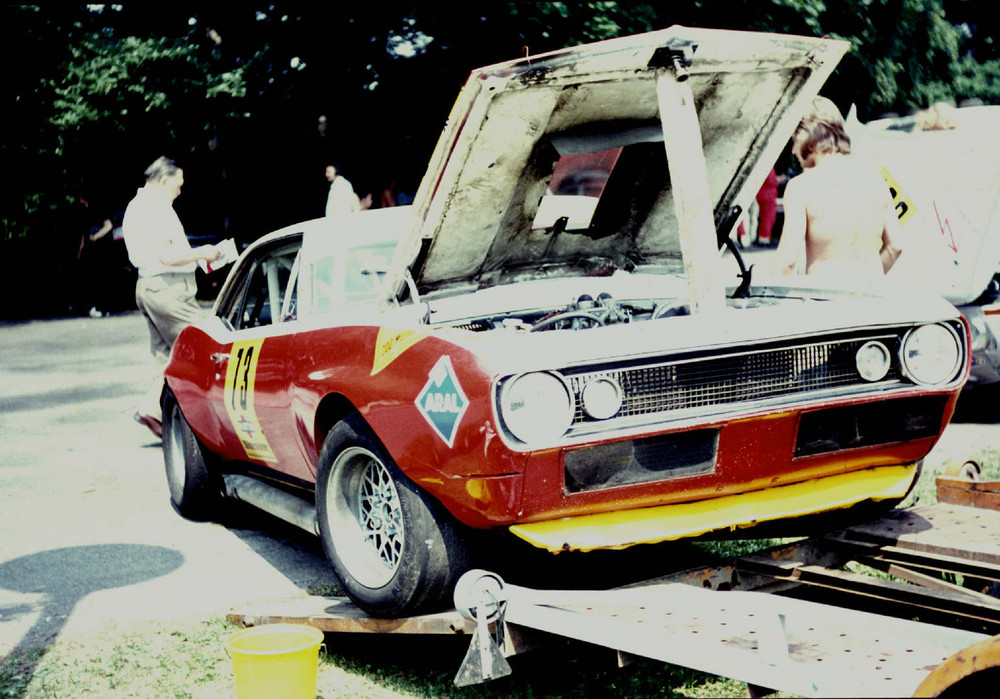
<point x="925" y="491"/>
<point x="16" y="672"/>
<point x="179" y="661"/>
<point x="733" y="548"/>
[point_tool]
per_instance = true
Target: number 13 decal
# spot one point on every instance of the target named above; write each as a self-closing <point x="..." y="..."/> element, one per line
<point x="242" y="381"/>
<point x="241" y="371"/>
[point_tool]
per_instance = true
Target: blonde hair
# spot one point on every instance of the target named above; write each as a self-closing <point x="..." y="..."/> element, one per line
<point x="940" y="116"/>
<point x="822" y="130"/>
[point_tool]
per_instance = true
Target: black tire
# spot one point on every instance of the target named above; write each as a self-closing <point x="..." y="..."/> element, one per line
<point x="194" y="491"/>
<point x="403" y="557"/>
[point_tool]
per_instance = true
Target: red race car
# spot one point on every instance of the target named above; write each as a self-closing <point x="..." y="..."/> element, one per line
<point x="549" y="340"/>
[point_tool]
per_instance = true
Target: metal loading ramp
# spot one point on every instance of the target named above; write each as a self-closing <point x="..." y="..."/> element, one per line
<point x="762" y="639"/>
<point x="794" y="618"/>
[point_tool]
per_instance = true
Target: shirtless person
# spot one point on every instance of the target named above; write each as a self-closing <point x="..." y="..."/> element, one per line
<point x="838" y="211"/>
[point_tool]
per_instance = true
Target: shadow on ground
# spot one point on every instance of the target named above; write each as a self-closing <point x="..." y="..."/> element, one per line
<point x="67" y="575"/>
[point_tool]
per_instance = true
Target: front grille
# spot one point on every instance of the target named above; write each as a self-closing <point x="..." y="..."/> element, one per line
<point x="734" y="379"/>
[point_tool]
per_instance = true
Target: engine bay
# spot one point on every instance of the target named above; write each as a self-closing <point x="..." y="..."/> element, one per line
<point x="587" y="312"/>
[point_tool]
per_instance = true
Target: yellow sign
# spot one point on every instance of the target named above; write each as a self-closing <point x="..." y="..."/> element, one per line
<point x="390" y="344"/>
<point x="904" y="205"/>
<point x="241" y="372"/>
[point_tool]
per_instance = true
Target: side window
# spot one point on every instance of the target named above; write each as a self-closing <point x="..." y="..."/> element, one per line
<point x="324" y="292"/>
<point x="366" y="268"/>
<point x="350" y="276"/>
<point x="270" y="293"/>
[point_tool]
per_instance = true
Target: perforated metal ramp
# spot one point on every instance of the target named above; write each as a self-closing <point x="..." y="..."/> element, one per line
<point x="793" y="645"/>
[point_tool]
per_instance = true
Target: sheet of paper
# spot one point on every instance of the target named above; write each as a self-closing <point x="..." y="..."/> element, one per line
<point x="228" y="254"/>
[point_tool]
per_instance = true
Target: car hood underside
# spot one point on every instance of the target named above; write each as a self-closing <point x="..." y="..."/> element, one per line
<point x="483" y="208"/>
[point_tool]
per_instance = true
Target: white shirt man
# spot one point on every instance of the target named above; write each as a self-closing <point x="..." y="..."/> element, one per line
<point x="165" y="291"/>
<point x="152" y="230"/>
<point x="341" y="198"/>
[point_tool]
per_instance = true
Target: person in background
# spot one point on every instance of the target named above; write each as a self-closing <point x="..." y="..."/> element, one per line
<point x="166" y="263"/>
<point x="341" y="198"/>
<point x="95" y="254"/>
<point x="388" y="196"/>
<point x="839" y="215"/>
<point x="766" y="212"/>
<point x="767" y="208"/>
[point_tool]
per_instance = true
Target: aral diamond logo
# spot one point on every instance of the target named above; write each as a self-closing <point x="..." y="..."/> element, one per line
<point x="442" y="401"/>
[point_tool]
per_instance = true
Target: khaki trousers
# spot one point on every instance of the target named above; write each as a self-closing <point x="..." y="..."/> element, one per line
<point x="167" y="301"/>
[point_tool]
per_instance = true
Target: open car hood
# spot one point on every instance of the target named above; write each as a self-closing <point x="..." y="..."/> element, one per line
<point x="576" y="135"/>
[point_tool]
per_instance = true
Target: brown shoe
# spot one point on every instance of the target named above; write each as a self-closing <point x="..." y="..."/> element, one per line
<point x="151" y="422"/>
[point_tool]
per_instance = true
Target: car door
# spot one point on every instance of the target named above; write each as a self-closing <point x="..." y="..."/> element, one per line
<point x="251" y="396"/>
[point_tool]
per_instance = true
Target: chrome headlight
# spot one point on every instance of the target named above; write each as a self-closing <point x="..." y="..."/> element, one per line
<point x="537" y="407"/>
<point x="931" y="354"/>
<point x="873" y="360"/>
<point x="601" y="398"/>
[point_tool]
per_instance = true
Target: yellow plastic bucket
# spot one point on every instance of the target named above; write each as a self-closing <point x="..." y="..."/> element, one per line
<point x="275" y="661"/>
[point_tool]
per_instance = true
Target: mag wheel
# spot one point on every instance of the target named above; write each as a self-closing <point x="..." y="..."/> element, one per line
<point x="394" y="549"/>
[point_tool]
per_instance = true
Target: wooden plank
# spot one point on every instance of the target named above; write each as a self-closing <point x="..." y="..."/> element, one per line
<point x="952" y="530"/>
<point x="340" y="615"/>
<point x="879" y="556"/>
<point x="966" y="604"/>
<point x="961" y="491"/>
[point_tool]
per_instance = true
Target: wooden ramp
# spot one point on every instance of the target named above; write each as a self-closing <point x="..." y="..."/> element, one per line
<point x="340" y="615"/>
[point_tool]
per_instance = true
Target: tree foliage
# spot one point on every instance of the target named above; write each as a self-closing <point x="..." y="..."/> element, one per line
<point x="254" y="98"/>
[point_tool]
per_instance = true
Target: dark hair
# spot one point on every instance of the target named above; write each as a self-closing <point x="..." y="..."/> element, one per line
<point x="160" y="168"/>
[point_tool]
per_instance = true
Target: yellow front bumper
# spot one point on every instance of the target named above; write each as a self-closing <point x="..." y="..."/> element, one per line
<point x="650" y="525"/>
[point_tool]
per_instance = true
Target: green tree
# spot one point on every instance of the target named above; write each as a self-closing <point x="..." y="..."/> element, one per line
<point x="109" y="94"/>
<point x="254" y="98"/>
<point x="905" y="54"/>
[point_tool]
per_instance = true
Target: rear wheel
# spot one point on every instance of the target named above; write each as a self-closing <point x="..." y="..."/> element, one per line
<point x="194" y="491"/>
<point x="394" y="549"/>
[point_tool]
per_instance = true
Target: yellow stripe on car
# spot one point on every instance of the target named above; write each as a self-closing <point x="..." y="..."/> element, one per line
<point x="650" y="525"/>
<point x="241" y="375"/>
<point x="390" y="344"/>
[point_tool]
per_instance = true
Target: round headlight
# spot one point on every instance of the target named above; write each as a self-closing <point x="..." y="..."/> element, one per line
<point x="602" y="398"/>
<point x="931" y="354"/>
<point x="537" y="407"/>
<point x="873" y="361"/>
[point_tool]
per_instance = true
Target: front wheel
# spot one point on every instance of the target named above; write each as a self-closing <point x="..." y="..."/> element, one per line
<point x="394" y="549"/>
